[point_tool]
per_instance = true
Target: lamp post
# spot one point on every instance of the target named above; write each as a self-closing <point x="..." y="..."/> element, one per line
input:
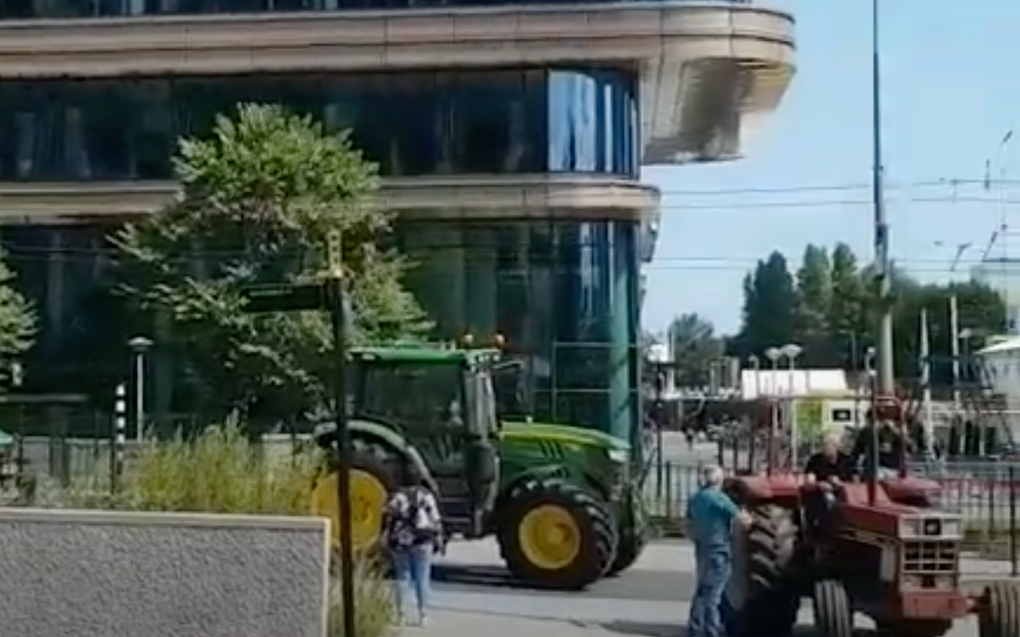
<point x="773" y="354"/>
<point x="756" y="369"/>
<point x="140" y="346"/>
<point x="791" y="351"/>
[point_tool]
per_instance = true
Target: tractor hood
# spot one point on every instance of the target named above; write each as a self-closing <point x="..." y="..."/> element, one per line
<point x="520" y="430"/>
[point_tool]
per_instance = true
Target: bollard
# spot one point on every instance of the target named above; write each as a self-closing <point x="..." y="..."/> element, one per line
<point x="1013" y="530"/>
<point x="119" y="438"/>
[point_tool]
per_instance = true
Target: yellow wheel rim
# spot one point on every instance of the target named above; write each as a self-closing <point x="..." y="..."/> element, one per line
<point x="549" y="537"/>
<point x="368" y="495"/>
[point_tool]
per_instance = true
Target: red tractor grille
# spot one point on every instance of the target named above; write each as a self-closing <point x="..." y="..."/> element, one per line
<point x="930" y="557"/>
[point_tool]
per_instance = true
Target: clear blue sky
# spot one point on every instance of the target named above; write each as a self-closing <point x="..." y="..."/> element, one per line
<point x="950" y="90"/>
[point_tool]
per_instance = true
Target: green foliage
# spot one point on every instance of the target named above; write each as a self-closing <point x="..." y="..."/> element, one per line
<point x="770" y="306"/>
<point x="260" y="197"/>
<point x="17" y="321"/>
<point x="836" y="308"/>
<point x="221" y="471"/>
<point x="695" y="347"/>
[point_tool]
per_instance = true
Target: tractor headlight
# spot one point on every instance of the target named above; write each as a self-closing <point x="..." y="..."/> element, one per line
<point x="619" y="455"/>
<point x="910" y="527"/>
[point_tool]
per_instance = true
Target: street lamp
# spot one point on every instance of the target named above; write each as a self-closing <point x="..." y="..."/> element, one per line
<point x="756" y="368"/>
<point x="774" y="354"/>
<point x="791" y="351"/>
<point x="140" y="346"/>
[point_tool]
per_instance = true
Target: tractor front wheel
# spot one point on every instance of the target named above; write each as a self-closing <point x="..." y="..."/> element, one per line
<point x="914" y="628"/>
<point x="999" y="614"/>
<point x="834" y="616"/>
<point x="555" y="535"/>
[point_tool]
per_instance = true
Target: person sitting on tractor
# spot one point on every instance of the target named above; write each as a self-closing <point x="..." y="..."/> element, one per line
<point x="830" y="463"/>
<point x="829" y="468"/>
<point x="892" y="446"/>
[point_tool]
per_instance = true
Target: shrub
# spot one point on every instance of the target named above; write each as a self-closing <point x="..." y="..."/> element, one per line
<point x="222" y="471"/>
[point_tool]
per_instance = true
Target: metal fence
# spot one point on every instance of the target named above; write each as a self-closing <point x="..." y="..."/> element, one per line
<point x="985" y="494"/>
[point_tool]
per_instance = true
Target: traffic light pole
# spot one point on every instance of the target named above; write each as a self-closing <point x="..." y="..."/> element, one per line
<point x="334" y="289"/>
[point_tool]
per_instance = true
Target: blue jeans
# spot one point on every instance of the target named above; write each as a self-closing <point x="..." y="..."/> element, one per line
<point x="714" y="565"/>
<point x="413" y="570"/>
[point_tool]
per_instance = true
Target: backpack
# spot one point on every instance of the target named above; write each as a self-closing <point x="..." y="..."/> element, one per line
<point x="409" y="522"/>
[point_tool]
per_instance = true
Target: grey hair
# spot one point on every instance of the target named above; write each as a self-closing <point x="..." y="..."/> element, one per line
<point x="712" y="475"/>
<point x="832" y="438"/>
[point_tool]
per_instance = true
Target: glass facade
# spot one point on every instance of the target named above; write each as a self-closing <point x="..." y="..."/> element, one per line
<point x="423" y="123"/>
<point x="564" y="294"/>
<point x="13" y="9"/>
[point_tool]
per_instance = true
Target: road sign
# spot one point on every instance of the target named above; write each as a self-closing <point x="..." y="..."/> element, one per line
<point x="285" y="298"/>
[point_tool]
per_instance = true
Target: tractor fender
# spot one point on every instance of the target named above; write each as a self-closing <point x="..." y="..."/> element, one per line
<point x="549" y="472"/>
<point x="378" y="433"/>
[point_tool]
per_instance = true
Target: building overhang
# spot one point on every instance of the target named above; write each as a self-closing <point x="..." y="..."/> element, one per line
<point x="553" y="196"/>
<point x="703" y="66"/>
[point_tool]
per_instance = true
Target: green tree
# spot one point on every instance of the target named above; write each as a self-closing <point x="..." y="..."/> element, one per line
<point x="17" y="322"/>
<point x="695" y="347"/>
<point x="847" y="320"/>
<point x="814" y="296"/>
<point x="770" y="307"/>
<point x="260" y="196"/>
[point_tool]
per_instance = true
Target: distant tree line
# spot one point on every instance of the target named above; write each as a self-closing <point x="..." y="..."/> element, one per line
<point x="828" y="306"/>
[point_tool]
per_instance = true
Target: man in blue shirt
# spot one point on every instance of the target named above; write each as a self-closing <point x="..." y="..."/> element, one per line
<point x="710" y="518"/>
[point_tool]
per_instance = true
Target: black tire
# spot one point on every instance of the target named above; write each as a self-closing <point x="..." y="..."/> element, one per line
<point x="999" y="615"/>
<point x="915" y="628"/>
<point x="833" y="614"/>
<point x="597" y="535"/>
<point x="629" y="549"/>
<point x="773" y="597"/>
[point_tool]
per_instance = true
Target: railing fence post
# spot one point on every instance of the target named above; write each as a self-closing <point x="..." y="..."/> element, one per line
<point x="119" y="437"/>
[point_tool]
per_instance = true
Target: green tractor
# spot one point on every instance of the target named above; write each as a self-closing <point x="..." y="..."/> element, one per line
<point x="560" y="500"/>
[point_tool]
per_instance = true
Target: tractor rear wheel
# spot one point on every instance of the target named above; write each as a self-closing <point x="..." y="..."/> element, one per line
<point x="372" y="481"/>
<point x="767" y="601"/>
<point x="555" y="535"/>
<point x="999" y="615"/>
<point x="833" y="614"/>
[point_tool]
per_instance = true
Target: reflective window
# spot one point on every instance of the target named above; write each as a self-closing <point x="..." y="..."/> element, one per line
<point x="486" y="122"/>
<point x="563" y="294"/>
<point x="96" y="8"/>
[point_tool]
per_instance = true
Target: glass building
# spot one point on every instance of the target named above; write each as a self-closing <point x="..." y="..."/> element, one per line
<point x="510" y="136"/>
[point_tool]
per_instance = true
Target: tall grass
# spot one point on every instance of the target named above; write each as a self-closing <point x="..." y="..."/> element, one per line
<point x="222" y="471"/>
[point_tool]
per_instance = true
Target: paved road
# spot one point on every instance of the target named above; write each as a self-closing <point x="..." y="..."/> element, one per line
<point x="473" y="597"/>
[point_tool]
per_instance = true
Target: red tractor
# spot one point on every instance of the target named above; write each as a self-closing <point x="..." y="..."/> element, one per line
<point x="878" y="546"/>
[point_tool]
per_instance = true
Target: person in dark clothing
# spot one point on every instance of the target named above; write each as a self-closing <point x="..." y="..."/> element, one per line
<point x="830" y="467"/>
<point x="830" y="463"/>
<point x="892" y="446"/>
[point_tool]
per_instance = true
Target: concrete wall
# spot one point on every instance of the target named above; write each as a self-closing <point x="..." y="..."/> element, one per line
<point x="113" y="574"/>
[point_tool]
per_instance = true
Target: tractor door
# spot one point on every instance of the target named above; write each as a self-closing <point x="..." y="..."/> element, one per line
<point x="481" y="464"/>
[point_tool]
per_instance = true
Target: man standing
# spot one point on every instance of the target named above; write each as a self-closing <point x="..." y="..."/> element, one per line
<point x="710" y="518"/>
<point x="892" y="447"/>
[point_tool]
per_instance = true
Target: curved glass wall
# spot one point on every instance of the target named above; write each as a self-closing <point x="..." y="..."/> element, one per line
<point x="12" y="9"/>
<point x="563" y="293"/>
<point x="426" y="123"/>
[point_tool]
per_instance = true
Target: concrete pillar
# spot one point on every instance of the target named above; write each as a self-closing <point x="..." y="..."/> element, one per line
<point x="55" y="289"/>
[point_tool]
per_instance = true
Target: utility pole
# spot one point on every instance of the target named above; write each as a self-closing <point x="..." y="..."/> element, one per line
<point x="885" y="379"/>
<point x="334" y="288"/>
<point x="326" y="294"/>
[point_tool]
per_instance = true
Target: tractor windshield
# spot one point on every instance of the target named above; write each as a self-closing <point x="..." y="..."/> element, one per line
<point x="422" y="395"/>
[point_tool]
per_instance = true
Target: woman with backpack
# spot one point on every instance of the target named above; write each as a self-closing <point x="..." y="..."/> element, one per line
<point x="413" y="534"/>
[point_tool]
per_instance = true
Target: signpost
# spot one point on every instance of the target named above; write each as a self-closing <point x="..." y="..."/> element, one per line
<point x="328" y="295"/>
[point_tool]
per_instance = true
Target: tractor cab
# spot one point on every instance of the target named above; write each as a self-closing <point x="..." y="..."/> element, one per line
<point x="429" y="410"/>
